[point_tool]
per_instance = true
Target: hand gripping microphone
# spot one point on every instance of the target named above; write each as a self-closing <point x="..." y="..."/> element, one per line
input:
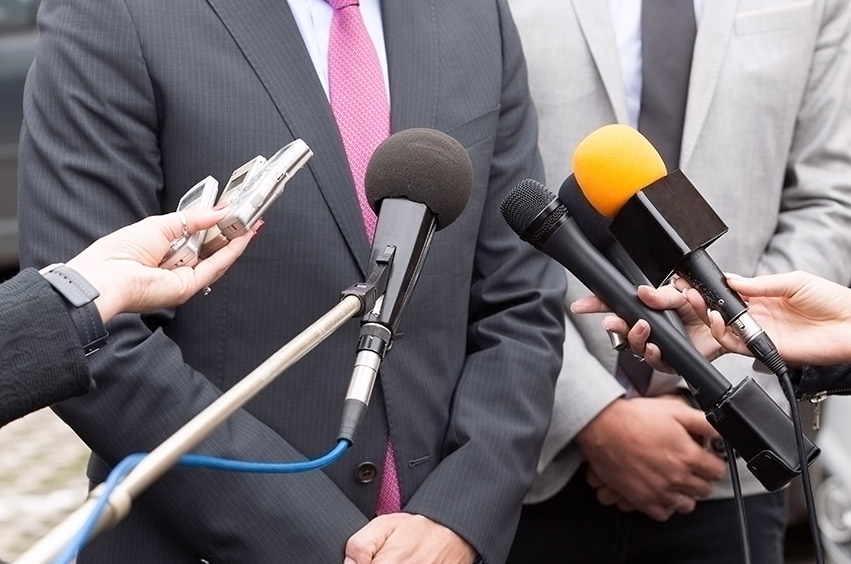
<point x="756" y="427"/>
<point x="595" y="227"/>
<point x="418" y="181"/>
<point x="663" y="223"/>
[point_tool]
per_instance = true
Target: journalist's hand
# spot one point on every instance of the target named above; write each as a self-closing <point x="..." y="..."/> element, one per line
<point x="123" y="265"/>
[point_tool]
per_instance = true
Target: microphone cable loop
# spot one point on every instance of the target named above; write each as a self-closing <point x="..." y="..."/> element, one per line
<point x="126" y="466"/>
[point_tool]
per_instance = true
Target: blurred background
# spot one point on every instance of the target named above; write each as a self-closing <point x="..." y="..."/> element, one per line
<point x="42" y="464"/>
<point x="17" y="48"/>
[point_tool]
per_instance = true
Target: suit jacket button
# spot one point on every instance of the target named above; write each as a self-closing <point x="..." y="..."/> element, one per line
<point x="366" y="472"/>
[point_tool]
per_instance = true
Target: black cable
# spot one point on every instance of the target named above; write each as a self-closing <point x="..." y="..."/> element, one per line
<point x="765" y="350"/>
<point x="783" y="375"/>
<point x="740" y="503"/>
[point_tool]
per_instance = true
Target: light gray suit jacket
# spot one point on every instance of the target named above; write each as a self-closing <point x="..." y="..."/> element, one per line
<point x="131" y="102"/>
<point x="767" y="141"/>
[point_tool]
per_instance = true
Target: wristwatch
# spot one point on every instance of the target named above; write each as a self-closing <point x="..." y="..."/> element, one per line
<point x="79" y="297"/>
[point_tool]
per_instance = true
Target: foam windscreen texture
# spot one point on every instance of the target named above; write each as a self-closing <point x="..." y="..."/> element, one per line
<point x="613" y="163"/>
<point x="423" y="165"/>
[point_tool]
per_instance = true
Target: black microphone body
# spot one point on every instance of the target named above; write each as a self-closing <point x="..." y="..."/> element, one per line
<point x="418" y="181"/>
<point x="407" y="226"/>
<point x="558" y="236"/>
<point x="595" y="227"/>
<point x="745" y="415"/>
<point x="665" y="228"/>
<point x="405" y="229"/>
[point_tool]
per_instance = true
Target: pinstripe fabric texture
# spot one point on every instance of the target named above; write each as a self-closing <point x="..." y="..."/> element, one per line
<point x="360" y="106"/>
<point x="121" y="122"/>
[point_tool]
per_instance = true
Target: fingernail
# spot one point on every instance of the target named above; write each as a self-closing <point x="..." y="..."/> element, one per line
<point x="259" y="226"/>
<point x="220" y="206"/>
<point x="349" y="561"/>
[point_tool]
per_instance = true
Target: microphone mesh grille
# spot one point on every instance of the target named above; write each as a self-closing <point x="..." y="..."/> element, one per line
<point x="524" y="206"/>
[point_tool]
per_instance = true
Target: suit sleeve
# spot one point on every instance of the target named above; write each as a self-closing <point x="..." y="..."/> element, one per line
<point x="503" y="401"/>
<point x="90" y="162"/>
<point x="41" y="358"/>
<point x="815" y="216"/>
<point x="584" y="388"/>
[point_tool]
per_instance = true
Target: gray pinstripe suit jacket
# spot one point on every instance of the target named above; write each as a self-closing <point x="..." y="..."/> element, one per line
<point x="128" y="104"/>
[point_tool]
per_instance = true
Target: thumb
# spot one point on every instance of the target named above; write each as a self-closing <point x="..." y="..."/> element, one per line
<point x="694" y="421"/>
<point x="362" y="546"/>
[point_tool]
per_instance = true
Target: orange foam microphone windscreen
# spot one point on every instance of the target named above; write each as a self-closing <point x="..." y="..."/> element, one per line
<point x="613" y="163"/>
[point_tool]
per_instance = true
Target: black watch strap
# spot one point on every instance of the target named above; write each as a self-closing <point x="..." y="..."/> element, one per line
<point x="79" y="296"/>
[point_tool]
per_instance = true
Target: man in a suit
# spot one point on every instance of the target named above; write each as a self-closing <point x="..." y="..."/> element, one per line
<point x="766" y="139"/>
<point x="129" y="103"/>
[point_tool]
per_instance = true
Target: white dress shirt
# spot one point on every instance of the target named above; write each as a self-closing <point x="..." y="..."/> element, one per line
<point x="313" y="18"/>
<point x="626" y="18"/>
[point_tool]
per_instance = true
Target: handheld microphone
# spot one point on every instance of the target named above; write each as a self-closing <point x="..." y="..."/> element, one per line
<point x="418" y="181"/>
<point x="745" y="415"/>
<point x="663" y="224"/>
<point x="596" y="228"/>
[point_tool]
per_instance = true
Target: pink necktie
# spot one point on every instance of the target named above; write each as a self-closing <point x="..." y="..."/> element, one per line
<point x="358" y="96"/>
<point x="389" y="496"/>
<point x="360" y="106"/>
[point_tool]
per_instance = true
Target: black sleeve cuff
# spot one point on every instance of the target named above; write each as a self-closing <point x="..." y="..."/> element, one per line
<point x="79" y="296"/>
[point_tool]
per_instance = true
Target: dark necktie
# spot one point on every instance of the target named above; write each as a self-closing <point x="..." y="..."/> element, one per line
<point x="668" y="29"/>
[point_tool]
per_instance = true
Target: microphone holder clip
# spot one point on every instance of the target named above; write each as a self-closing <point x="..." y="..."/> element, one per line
<point x="370" y="291"/>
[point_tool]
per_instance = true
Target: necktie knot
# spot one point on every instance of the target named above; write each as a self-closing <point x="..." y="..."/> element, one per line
<point x="340" y="4"/>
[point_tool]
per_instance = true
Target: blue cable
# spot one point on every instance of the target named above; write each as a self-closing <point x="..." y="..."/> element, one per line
<point x="192" y="461"/>
<point x="211" y="462"/>
<point x="115" y="476"/>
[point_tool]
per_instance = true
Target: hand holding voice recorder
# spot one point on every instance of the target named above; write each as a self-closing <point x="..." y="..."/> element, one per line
<point x="249" y="192"/>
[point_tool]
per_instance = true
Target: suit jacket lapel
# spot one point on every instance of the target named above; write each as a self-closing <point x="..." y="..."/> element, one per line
<point x="411" y="35"/>
<point x="271" y="42"/>
<point x="596" y="24"/>
<point x="713" y="37"/>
